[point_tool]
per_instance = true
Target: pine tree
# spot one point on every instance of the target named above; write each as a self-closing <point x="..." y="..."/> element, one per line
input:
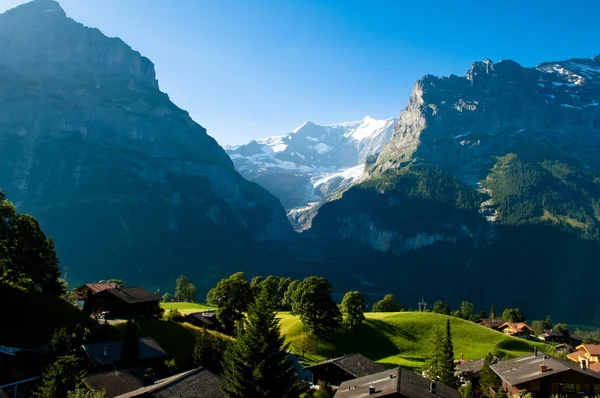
<point x="447" y="367"/>
<point x="60" y="344"/>
<point x="488" y="378"/>
<point x="435" y="361"/>
<point x="62" y="376"/>
<point x="493" y="311"/>
<point x="256" y="365"/>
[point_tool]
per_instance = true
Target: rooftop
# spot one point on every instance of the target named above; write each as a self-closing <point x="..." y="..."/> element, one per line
<point x="186" y="384"/>
<point x="356" y="364"/>
<point x="527" y="368"/>
<point x="132" y="295"/>
<point x="470" y="366"/>
<point x="98" y="287"/>
<point x="394" y="381"/>
<point x="492" y="321"/>
<point x="148" y="348"/>
<point x="592" y="349"/>
<point x="115" y="382"/>
<point x="552" y="333"/>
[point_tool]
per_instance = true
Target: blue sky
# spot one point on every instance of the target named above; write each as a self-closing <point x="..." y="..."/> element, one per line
<point x="250" y="69"/>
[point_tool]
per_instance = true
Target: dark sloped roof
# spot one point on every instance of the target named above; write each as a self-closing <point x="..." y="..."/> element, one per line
<point x="491" y="321"/>
<point x="200" y="317"/>
<point x="356" y="364"/>
<point x="132" y="295"/>
<point x="527" y="368"/>
<point x="394" y="381"/>
<point x="470" y="366"/>
<point x="148" y="348"/>
<point x="552" y="333"/>
<point x="115" y="382"/>
<point x="194" y="383"/>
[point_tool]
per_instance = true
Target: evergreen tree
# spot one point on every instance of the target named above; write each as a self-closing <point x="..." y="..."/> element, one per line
<point x="59" y="378"/>
<point x="82" y="392"/>
<point x="466" y="391"/>
<point x="501" y="393"/>
<point x="488" y="378"/>
<point x="353" y="309"/>
<point x="60" y="344"/>
<point x="439" y="307"/>
<point x="434" y="365"/>
<point x="548" y="322"/>
<point x="447" y="367"/>
<point x="493" y="311"/>
<point x="314" y="305"/>
<point x="209" y="350"/>
<point x="130" y="351"/>
<point x="256" y="365"/>
<point x="387" y="304"/>
<point x="87" y="303"/>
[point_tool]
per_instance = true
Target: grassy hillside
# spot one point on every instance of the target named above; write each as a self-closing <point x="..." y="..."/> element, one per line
<point x="186" y="308"/>
<point x="403" y="338"/>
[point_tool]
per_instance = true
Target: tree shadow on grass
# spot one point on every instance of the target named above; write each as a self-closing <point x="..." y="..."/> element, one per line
<point x="366" y="339"/>
<point x="392" y="329"/>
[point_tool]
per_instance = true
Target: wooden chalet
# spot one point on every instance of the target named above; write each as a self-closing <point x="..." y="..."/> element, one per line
<point x="564" y="348"/>
<point x="205" y="319"/>
<point x="468" y="372"/>
<point x="338" y="370"/>
<point x="126" y="302"/>
<point x="82" y="291"/>
<point x="516" y="329"/>
<point x="587" y="355"/>
<point x="492" y="323"/>
<point x="554" y="336"/>
<point x="197" y="382"/>
<point x="106" y="355"/>
<point x="543" y="375"/>
<point x="394" y="383"/>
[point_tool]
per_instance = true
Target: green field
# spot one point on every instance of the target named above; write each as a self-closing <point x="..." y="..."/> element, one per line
<point x="186" y="308"/>
<point x="403" y="338"/>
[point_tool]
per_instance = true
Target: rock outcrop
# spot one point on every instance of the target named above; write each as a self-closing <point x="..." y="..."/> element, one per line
<point x="125" y="181"/>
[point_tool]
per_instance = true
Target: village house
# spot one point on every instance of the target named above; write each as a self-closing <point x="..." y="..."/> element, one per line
<point x="492" y="323"/>
<point x="205" y="319"/>
<point x="587" y="355"/>
<point x="468" y="372"/>
<point x="82" y="291"/>
<point x="564" y="348"/>
<point x="394" y="383"/>
<point x="544" y="375"/>
<point x="106" y="355"/>
<point x="336" y="371"/>
<point x="516" y="329"/>
<point x="552" y="336"/>
<point x="125" y="302"/>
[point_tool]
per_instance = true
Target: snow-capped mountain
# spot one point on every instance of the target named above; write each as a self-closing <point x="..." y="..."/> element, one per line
<point x="305" y="166"/>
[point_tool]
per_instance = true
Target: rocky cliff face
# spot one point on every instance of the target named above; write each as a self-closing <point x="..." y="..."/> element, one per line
<point x="125" y="181"/>
<point x="308" y="165"/>
<point x="487" y="175"/>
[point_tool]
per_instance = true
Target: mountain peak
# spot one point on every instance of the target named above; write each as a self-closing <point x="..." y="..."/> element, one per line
<point x="307" y="123"/>
<point x="38" y="7"/>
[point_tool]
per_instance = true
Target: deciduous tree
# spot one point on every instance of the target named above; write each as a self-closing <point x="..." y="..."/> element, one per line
<point x="62" y="376"/>
<point x="513" y="315"/>
<point x="353" y="309"/>
<point x="232" y="296"/>
<point x="314" y="305"/>
<point x="387" y="304"/>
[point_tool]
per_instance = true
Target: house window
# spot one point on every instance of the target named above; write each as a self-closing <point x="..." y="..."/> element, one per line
<point x="569" y="387"/>
<point x="596" y="388"/>
<point x="578" y="387"/>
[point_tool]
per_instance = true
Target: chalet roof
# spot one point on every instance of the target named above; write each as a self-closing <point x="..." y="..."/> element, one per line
<point x="595" y="367"/>
<point x="567" y="346"/>
<point x="200" y="317"/>
<point x="496" y="322"/>
<point x="470" y="366"/>
<point x="115" y="382"/>
<point x="355" y="364"/>
<point x="133" y="295"/>
<point x="98" y="287"/>
<point x="148" y="348"/>
<point x="552" y="333"/>
<point x="517" y="326"/>
<point x="574" y="356"/>
<point x="527" y="368"/>
<point x="592" y="349"/>
<point x="186" y="384"/>
<point x="392" y="382"/>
